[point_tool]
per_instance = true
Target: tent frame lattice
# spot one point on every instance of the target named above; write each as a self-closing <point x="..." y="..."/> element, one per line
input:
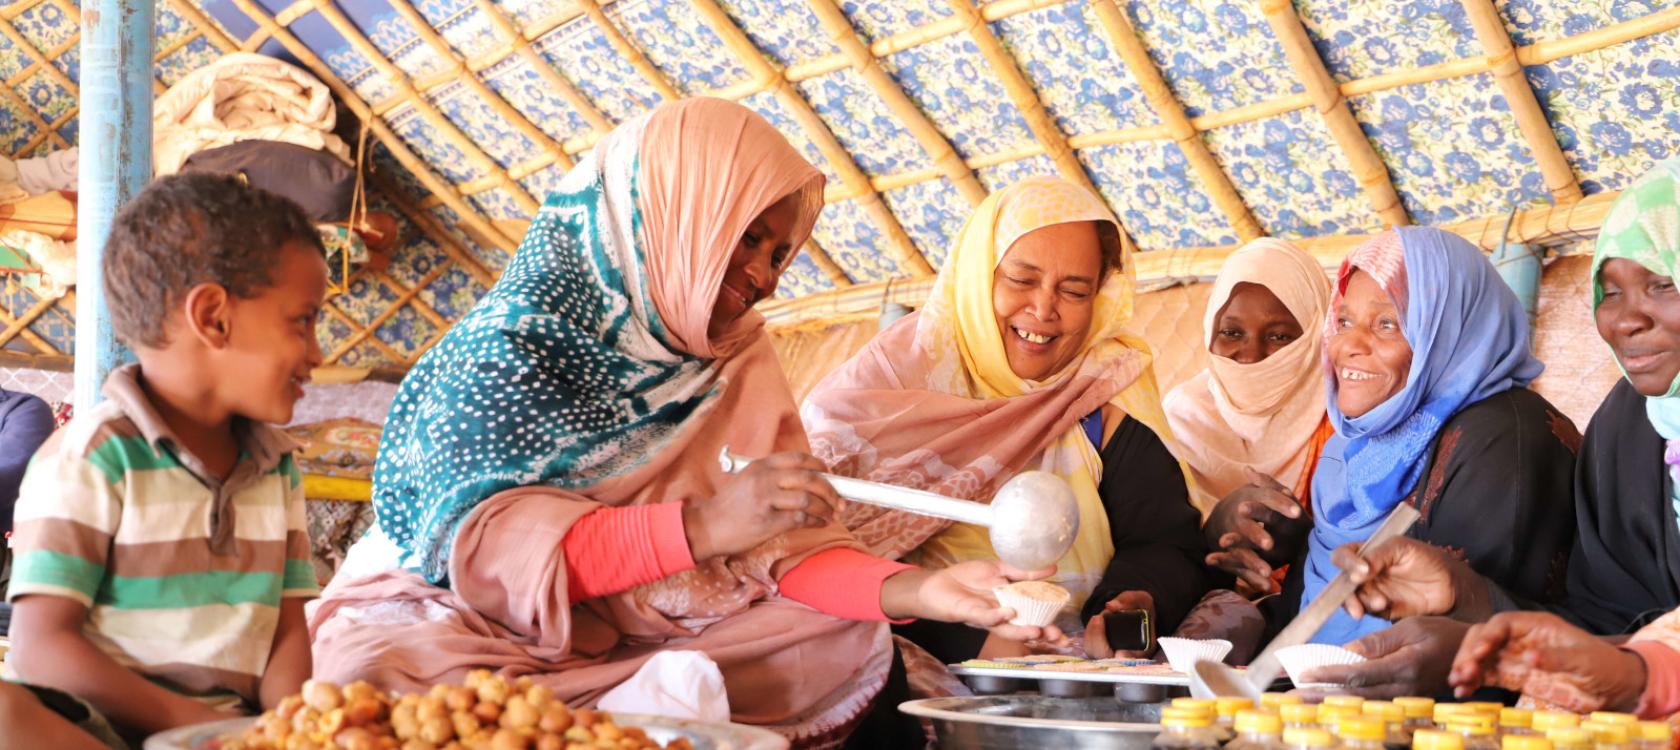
<point x="1571" y="216"/>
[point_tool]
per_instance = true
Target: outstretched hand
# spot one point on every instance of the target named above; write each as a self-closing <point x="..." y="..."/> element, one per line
<point x="1404" y="577"/>
<point x="1542" y="656"/>
<point x="963" y="593"/>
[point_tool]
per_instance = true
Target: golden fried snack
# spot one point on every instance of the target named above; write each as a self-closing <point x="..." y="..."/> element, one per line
<point x="487" y="712"/>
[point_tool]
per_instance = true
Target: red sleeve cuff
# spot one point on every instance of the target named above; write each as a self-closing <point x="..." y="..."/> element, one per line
<point x="617" y="549"/>
<point x="1662" y="679"/>
<point x="842" y="582"/>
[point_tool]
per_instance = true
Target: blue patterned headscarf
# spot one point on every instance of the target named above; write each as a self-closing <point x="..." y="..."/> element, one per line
<point x="591" y="351"/>
<point x="1469" y="339"/>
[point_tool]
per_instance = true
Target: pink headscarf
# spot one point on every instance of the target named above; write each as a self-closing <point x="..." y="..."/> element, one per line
<point x="708" y="167"/>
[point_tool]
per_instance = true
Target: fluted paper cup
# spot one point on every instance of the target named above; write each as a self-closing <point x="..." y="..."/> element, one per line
<point x="1183" y="653"/>
<point x="1035" y="602"/>
<point x="1299" y="660"/>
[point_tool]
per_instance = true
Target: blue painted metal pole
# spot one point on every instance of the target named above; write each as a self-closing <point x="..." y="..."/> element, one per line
<point x="115" y="163"/>
<point x="1519" y="265"/>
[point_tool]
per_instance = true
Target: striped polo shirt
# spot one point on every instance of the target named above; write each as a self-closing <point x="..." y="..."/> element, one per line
<point x="182" y="573"/>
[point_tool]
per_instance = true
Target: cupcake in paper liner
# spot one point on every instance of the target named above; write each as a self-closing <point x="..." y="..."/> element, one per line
<point x="1183" y="653"/>
<point x="1299" y="660"/>
<point x="1035" y="602"/>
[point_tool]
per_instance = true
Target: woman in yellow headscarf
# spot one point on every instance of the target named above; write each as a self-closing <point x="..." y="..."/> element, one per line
<point x="1019" y="362"/>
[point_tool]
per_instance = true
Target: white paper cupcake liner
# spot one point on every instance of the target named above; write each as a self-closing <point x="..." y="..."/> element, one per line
<point x="1299" y="660"/>
<point x="1184" y="653"/>
<point x="1029" y="611"/>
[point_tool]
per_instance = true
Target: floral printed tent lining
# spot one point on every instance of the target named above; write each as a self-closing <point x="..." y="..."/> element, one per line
<point x="1202" y="122"/>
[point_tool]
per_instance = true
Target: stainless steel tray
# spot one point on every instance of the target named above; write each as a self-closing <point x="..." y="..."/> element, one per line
<point x="1172" y="679"/>
<point x="1007" y="722"/>
<point x="704" y="735"/>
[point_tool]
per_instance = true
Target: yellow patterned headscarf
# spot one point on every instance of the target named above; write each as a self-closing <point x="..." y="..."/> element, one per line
<point x="959" y="318"/>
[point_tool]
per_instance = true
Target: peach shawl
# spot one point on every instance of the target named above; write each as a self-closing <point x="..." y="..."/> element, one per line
<point x="1268" y="415"/>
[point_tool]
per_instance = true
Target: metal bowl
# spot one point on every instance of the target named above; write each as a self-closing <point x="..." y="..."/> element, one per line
<point x="1016" y="721"/>
<point x="1069" y="688"/>
<point x="989" y="685"/>
<point x="1140" y="692"/>
<point x="704" y="735"/>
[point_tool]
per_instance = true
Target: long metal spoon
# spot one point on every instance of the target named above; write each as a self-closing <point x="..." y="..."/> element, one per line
<point x="1031" y="521"/>
<point x="1213" y="679"/>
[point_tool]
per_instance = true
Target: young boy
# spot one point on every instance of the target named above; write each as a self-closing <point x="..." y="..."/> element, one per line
<point x="161" y="555"/>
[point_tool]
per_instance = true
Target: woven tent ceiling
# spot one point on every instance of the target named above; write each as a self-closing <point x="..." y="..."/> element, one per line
<point x="1204" y="123"/>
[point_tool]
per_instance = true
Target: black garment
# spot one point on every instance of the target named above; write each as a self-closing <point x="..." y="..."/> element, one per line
<point x="25" y="423"/>
<point x="1496" y="492"/>
<point x="1157" y="533"/>
<point x="1157" y="538"/>
<point x="1626" y="567"/>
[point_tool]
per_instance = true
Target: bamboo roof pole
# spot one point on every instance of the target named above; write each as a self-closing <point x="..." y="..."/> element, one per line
<point x="204" y="24"/>
<point x="1544" y="52"/>
<point x="331" y="308"/>
<point x="469" y="215"/>
<point x="1531" y="119"/>
<point x="826" y="264"/>
<point x="29" y="337"/>
<point x="522" y="46"/>
<point x="945" y="158"/>
<point x="40" y="61"/>
<point x="341" y="23"/>
<point x="770" y="78"/>
<point x="1367" y="167"/>
<point x="429" y="224"/>
<point x="1539" y="53"/>
<point x="1171" y="112"/>
<point x="1025" y="99"/>
<point x="46" y="133"/>
<point x="405" y="295"/>
<point x="21" y="322"/>
<point x="500" y="105"/>
<point x="628" y="51"/>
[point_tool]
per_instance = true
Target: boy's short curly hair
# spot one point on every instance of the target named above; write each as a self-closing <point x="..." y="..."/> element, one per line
<point x="189" y="229"/>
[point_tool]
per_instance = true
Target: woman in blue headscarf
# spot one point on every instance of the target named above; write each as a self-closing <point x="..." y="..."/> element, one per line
<point x="1429" y="363"/>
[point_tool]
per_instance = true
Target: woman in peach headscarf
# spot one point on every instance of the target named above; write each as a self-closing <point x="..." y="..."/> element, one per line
<point x="1019" y="362"/>
<point x="1252" y="424"/>
<point x="548" y="490"/>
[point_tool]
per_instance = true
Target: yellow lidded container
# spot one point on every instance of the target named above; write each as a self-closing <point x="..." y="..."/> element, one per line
<point x="1207" y="705"/>
<point x="1186" y="718"/>
<point x="1517" y="718"/>
<point x="1344" y="700"/>
<point x="1330" y="716"/>
<point x="1570" y="738"/>
<point x="1525" y="742"/>
<point x="1417" y="708"/>
<point x="1435" y="739"/>
<point x="1361" y="729"/>
<point x="1299" y="714"/>
<point x="1274" y="701"/>
<point x="1444" y="712"/>
<point x="1545" y="721"/>
<point x="1612" y="717"/>
<point x="1656" y="732"/>
<point x="1259" y="722"/>
<point x="1228" y="707"/>
<point x="1304" y="737"/>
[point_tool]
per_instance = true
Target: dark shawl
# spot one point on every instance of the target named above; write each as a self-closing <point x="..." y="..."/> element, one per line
<point x="1626" y="566"/>
<point x="1496" y="492"/>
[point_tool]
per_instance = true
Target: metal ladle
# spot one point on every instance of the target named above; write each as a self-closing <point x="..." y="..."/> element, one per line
<point x="1031" y="521"/>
